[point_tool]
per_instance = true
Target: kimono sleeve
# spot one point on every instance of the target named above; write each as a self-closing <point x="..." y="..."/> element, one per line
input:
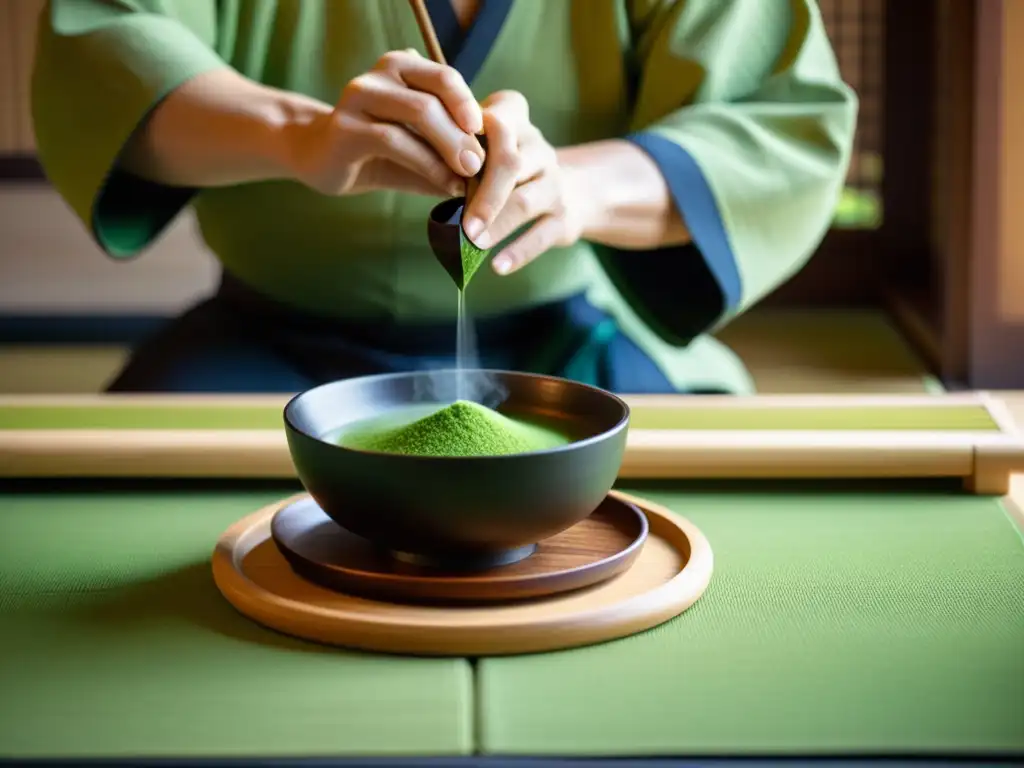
<point x="101" y="67"/>
<point x="741" y="105"/>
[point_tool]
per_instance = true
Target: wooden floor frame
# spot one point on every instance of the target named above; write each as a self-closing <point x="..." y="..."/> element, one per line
<point x="985" y="459"/>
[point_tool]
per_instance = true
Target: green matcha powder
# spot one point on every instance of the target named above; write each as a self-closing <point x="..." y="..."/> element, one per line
<point x="472" y="257"/>
<point x="460" y="429"/>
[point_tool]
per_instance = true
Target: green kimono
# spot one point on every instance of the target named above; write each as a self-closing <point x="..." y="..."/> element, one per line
<point x="739" y="102"/>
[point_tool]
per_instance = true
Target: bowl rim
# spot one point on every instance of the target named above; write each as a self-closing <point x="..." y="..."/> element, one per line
<point x="620" y="425"/>
<point x="454" y="203"/>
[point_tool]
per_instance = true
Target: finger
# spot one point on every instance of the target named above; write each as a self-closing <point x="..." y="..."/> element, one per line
<point x="527" y="202"/>
<point x="535" y="154"/>
<point x="382" y="98"/>
<point x="500" y="175"/>
<point x="444" y="82"/>
<point x="538" y="240"/>
<point x="447" y="85"/>
<point x="394" y="143"/>
<point x="384" y="174"/>
<point x="511" y="108"/>
<point x="510" y="105"/>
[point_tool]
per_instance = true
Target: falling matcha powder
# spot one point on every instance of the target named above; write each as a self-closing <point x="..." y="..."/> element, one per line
<point x="460" y="429"/>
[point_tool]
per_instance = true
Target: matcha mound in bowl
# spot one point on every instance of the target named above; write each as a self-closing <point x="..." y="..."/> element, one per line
<point x="457" y="484"/>
<point x="461" y="429"/>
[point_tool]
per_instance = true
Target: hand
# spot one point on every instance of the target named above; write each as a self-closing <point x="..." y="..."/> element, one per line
<point x="408" y="124"/>
<point x="522" y="181"/>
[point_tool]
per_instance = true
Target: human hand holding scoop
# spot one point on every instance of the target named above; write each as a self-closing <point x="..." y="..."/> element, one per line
<point x="448" y="240"/>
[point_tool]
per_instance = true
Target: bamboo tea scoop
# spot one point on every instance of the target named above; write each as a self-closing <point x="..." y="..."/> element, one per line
<point x="448" y="240"/>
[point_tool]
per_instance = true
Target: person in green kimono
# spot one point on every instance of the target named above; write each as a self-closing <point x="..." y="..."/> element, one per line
<point x="654" y="168"/>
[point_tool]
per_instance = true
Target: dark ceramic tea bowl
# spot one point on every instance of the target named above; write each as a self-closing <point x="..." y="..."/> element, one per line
<point x="459" y="512"/>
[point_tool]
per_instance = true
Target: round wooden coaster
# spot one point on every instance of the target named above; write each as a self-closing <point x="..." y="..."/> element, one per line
<point x="670" y="573"/>
<point x="596" y="549"/>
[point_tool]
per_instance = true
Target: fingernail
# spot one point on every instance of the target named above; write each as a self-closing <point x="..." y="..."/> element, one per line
<point x="502" y="265"/>
<point x="472" y="119"/>
<point x="470" y="162"/>
<point x="473" y="227"/>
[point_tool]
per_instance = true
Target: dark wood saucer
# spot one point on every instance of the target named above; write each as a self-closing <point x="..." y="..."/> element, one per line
<point x="592" y="551"/>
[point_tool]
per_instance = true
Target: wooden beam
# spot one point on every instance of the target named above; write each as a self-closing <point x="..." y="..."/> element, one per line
<point x="996" y="277"/>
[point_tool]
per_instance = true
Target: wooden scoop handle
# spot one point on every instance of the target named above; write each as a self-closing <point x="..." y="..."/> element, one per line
<point x="426" y="26"/>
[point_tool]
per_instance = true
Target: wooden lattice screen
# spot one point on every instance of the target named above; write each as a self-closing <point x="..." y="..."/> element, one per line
<point x="856" y="29"/>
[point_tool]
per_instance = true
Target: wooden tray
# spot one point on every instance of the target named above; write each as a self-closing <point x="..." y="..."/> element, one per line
<point x="322" y="552"/>
<point x="969" y="436"/>
<point x="671" y="572"/>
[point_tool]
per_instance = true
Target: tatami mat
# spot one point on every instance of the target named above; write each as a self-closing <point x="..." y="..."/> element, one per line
<point x="827" y="351"/>
<point x="836" y="623"/>
<point x="55" y="369"/>
<point x="115" y="642"/>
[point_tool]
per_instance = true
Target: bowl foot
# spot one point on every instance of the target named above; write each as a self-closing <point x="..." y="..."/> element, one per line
<point x="476" y="562"/>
